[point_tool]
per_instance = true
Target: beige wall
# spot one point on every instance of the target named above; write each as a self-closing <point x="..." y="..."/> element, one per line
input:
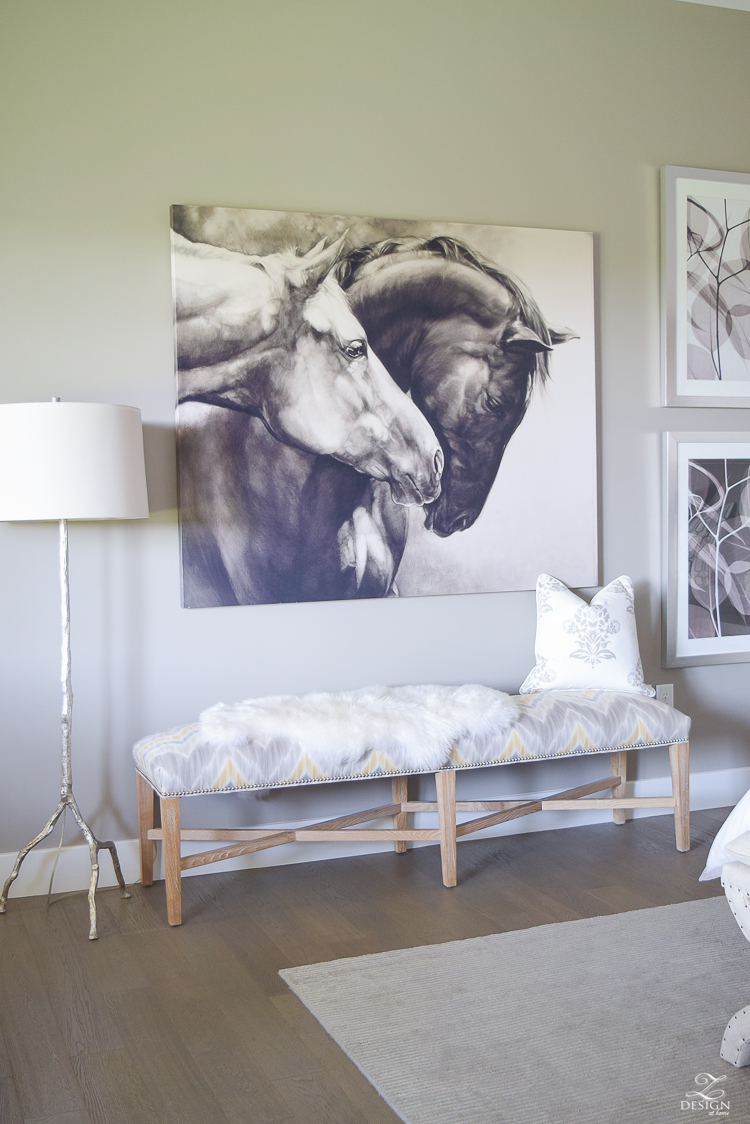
<point x="519" y="112"/>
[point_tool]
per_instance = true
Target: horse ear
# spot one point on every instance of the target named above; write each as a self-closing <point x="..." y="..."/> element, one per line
<point x="562" y="335"/>
<point x="520" y="335"/>
<point x="317" y="249"/>
<point x="316" y="263"/>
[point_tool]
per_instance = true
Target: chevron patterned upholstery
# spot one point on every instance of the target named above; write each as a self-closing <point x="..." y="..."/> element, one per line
<point x="551" y="724"/>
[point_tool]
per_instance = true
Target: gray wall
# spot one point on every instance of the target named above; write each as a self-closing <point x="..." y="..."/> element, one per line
<point x="518" y="112"/>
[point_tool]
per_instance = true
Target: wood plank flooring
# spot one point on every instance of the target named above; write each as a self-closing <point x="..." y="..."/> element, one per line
<point x="152" y="1025"/>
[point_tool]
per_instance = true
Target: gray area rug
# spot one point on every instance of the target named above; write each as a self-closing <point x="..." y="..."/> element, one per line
<point x="613" y="1018"/>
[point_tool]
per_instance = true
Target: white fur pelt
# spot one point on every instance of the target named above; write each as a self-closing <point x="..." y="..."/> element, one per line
<point x="414" y="727"/>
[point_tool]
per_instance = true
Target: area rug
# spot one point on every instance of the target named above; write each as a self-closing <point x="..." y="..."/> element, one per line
<point x="614" y="1018"/>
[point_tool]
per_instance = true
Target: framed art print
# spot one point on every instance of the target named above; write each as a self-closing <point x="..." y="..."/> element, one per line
<point x="378" y="408"/>
<point x="705" y="287"/>
<point x="706" y="555"/>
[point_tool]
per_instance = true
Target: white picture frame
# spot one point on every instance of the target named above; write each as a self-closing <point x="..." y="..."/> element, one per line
<point x="705" y="349"/>
<point x="706" y="548"/>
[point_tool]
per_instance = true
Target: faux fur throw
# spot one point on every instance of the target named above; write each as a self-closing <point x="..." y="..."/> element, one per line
<point x="415" y="727"/>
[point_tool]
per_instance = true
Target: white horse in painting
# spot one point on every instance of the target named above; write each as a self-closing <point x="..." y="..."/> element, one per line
<point x="273" y="338"/>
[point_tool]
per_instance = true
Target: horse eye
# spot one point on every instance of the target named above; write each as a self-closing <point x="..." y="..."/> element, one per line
<point x="357" y="349"/>
<point x="492" y="404"/>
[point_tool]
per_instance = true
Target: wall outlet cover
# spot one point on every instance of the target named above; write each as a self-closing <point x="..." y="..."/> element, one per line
<point x="665" y="693"/>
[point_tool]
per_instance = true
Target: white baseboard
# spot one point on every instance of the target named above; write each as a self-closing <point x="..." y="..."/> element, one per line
<point x="719" y="789"/>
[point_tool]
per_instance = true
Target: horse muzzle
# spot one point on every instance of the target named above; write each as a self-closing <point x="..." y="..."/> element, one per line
<point x="416" y="487"/>
<point x="406" y="491"/>
<point x="444" y="523"/>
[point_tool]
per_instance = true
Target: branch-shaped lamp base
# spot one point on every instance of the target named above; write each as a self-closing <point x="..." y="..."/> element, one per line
<point x="68" y="800"/>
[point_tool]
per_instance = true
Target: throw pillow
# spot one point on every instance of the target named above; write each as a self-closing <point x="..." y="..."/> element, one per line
<point x="739" y="848"/>
<point x="580" y="646"/>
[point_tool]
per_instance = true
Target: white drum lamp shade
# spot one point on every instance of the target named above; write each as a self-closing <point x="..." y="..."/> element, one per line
<point x="71" y="460"/>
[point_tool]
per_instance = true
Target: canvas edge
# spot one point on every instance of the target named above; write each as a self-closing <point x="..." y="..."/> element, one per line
<point x="183" y="601"/>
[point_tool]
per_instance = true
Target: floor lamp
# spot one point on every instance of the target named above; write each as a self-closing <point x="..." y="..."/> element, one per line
<point x="61" y="461"/>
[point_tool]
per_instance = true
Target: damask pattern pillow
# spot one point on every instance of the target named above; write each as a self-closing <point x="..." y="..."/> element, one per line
<point x="580" y="646"/>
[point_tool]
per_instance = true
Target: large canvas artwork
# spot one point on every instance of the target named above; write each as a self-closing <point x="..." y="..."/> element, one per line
<point x="707" y="549"/>
<point x="380" y="408"/>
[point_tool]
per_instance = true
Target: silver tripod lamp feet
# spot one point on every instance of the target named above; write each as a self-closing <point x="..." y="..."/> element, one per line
<point x="68" y="800"/>
<point x="72" y="460"/>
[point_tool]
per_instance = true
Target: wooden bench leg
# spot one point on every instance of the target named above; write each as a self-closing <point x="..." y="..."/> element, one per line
<point x="618" y="765"/>
<point x="679" y="764"/>
<point x="399" y="790"/>
<point x="170" y="823"/>
<point x="145" y="823"/>
<point x="445" y="783"/>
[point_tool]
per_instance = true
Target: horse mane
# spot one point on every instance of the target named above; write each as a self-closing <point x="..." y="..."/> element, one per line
<point x="347" y="268"/>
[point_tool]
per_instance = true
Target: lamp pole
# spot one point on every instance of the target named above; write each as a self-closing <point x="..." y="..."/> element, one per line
<point x="67" y="799"/>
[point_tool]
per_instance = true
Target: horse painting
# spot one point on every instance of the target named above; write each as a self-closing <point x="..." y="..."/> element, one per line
<point x="348" y="389"/>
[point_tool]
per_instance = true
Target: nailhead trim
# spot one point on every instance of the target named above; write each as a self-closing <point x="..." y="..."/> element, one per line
<point x="405" y="773"/>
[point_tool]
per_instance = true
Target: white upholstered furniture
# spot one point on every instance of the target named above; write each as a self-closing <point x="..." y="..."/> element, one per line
<point x="735" y="878"/>
<point x="549" y="724"/>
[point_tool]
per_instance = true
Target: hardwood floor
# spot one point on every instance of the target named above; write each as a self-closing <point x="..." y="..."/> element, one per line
<point x="152" y="1025"/>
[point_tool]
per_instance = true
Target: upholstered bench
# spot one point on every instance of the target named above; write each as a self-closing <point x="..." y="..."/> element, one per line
<point x="542" y="726"/>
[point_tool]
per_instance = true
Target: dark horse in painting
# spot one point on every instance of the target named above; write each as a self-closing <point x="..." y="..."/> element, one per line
<point x="468" y="343"/>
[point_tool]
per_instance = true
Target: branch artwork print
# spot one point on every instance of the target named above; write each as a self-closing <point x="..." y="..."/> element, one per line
<point x="718" y="289"/>
<point x="718" y="548"/>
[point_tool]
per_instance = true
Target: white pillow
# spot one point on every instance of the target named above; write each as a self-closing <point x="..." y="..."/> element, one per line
<point x="580" y="646"/>
<point x="739" y="848"/>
